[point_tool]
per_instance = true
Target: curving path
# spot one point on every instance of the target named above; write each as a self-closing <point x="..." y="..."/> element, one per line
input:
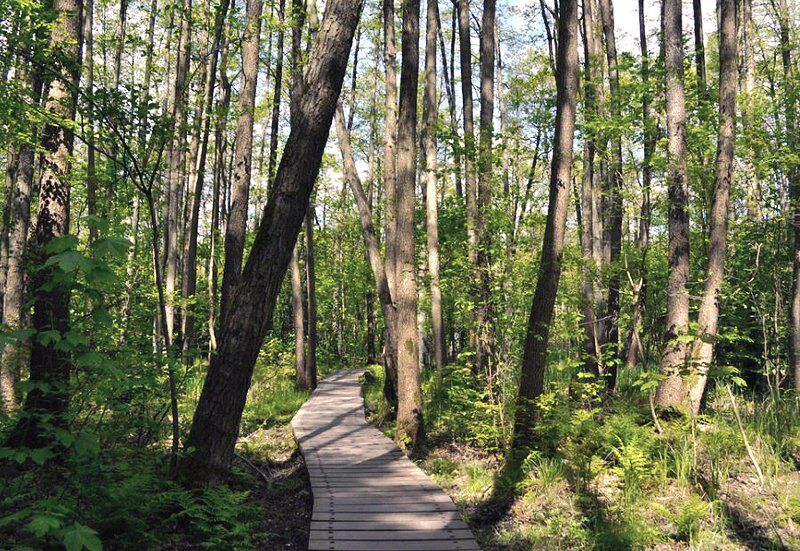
<point x="367" y="493"/>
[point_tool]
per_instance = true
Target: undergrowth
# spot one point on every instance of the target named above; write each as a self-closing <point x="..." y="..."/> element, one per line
<point x="604" y="475"/>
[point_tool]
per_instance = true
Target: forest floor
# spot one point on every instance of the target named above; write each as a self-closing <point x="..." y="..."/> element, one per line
<point x="614" y="483"/>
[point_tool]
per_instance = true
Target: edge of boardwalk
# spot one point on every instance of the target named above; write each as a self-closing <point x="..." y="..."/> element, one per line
<point x="367" y="494"/>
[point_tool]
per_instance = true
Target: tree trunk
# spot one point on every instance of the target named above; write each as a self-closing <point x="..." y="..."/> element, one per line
<point x="311" y="297"/>
<point x="470" y="188"/>
<point x="219" y="410"/>
<point x="236" y="227"/>
<point x="669" y="391"/>
<point x="371" y="243"/>
<point x="535" y="353"/>
<point x="794" y="186"/>
<point x="409" y="398"/>
<point x="430" y="116"/>
<point x="390" y="149"/>
<point x="299" y="322"/>
<point x="633" y="345"/>
<point x="14" y="315"/>
<point x="175" y="164"/>
<point x="613" y="212"/>
<point x="276" y="99"/>
<point x="199" y="152"/>
<point x="708" y="313"/>
<point x="121" y="32"/>
<point x="47" y="402"/>
<point x="483" y="311"/>
<point x="591" y="203"/>
<point x="91" y="172"/>
<point x="699" y="44"/>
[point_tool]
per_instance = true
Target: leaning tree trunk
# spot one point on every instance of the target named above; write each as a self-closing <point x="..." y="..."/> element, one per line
<point x="708" y="313"/>
<point x="409" y="397"/>
<point x="236" y="226"/>
<point x="669" y="391"/>
<point x="535" y="353"/>
<point x="370" y="241"/>
<point x="219" y="410"/>
<point x="46" y="404"/>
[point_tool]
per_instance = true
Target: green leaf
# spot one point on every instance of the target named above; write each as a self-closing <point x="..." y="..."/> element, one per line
<point x="86" y="443"/>
<point x="61" y="244"/>
<point x="40" y="455"/>
<point x="113" y="246"/>
<point x="78" y="537"/>
<point x="69" y="261"/>
<point x="43" y="524"/>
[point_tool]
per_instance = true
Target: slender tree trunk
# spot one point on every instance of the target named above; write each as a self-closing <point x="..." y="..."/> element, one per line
<point x="276" y="99"/>
<point x="536" y="340"/>
<point x="91" y="172"/>
<point x="470" y="190"/>
<point x="409" y="398"/>
<point x="311" y="298"/>
<point x="175" y="163"/>
<point x="430" y="116"/>
<point x="299" y="322"/>
<point x="390" y="144"/>
<point x="219" y="184"/>
<point x="591" y="201"/>
<point x="50" y="366"/>
<point x="219" y="410"/>
<point x="669" y="391"/>
<point x="699" y="44"/>
<point x="14" y="315"/>
<point x="236" y="226"/>
<point x="708" y="313"/>
<point x="121" y="36"/>
<point x="794" y="186"/>
<point x="371" y="243"/>
<point x="483" y="311"/>
<point x="633" y="345"/>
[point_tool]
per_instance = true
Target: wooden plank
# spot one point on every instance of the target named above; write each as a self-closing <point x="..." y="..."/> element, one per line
<point x="396" y="545"/>
<point x="367" y="494"/>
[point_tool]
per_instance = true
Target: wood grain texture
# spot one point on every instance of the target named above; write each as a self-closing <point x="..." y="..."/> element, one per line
<point x="367" y="493"/>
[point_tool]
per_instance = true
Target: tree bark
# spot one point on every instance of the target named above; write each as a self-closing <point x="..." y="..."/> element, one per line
<point x="219" y="410"/>
<point x="430" y="116"/>
<point x="236" y="227"/>
<point x="299" y="321"/>
<point x="708" y="313"/>
<point x="633" y="345"/>
<point x="175" y="164"/>
<point x="14" y="310"/>
<point x="536" y="340"/>
<point x="669" y="391"/>
<point x="276" y="99"/>
<point x="311" y="298"/>
<point x="483" y="310"/>
<point x="409" y="397"/>
<point x="470" y="184"/>
<point x="46" y="404"/>
<point x="371" y="243"/>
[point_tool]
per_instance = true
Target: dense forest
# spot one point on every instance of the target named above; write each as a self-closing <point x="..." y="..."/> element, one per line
<point x="560" y="237"/>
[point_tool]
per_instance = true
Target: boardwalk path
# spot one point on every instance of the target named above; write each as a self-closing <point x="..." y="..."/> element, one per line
<point x="367" y="494"/>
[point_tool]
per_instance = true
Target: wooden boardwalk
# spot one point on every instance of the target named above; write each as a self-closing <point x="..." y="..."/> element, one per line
<point x="367" y="493"/>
